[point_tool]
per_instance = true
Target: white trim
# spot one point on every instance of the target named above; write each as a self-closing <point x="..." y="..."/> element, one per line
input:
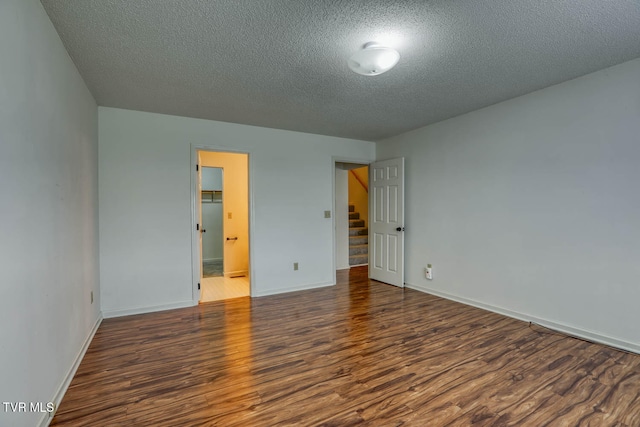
<point x="62" y="389"/>
<point x="195" y="250"/>
<point x="211" y="259"/>
<point x="238" y="273"/>
<point x="559" y="327"/>
<point x="334" y="264"/>
<point x="148" y="309"/>
<point x="293" y="289"/>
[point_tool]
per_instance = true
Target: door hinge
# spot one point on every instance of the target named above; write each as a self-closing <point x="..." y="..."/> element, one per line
<point x="197" y="168"/>
<point x="198" y="285"/>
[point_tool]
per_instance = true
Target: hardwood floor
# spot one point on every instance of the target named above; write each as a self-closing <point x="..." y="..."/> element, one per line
<point x="359" y="353"/>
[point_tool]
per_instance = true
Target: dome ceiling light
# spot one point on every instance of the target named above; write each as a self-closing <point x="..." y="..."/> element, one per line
<point x="373" y="59"/>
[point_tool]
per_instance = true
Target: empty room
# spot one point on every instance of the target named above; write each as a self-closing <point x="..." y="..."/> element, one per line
<point x="260" y="213"/>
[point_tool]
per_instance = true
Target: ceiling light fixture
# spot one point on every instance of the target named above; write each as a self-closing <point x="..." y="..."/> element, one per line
<point x="373" y="59"/>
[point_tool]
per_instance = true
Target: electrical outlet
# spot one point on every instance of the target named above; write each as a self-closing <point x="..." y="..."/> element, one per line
<point x="428" y="272"/>
<point x="327" y="214"/>
<point x="91" y="297"/>
<point x="229" y="215"/>
<point x="295" y="266"/>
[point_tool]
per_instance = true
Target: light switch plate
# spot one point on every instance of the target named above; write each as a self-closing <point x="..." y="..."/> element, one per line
<point x="327" y="214"/>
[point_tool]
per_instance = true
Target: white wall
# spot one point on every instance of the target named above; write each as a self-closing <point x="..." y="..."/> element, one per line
<point x="532" y="205"/>
<point x="212" y="247"/>
<point x="146" y="259"/>
<point x="235" y="196"/>
<point x="342" y="217"/>
<point x="48" y="211"/>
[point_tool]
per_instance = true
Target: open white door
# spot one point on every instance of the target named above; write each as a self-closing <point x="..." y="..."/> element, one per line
<point x="199" y="226"/>
<point x="386" y="221"/>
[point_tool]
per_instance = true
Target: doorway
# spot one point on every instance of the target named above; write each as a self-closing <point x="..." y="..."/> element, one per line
<point x="382" y="226"/>
<point x="222" y="225"/>
<point x="359" y="216"/>
<point x="351" y="215"/>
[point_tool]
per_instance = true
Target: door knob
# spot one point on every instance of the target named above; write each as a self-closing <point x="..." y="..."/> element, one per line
<point x="204" y="231"/>
<point x="400" y="229"/>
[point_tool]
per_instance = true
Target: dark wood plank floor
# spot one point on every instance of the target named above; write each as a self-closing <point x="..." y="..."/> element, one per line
<point x="358" y="353"/>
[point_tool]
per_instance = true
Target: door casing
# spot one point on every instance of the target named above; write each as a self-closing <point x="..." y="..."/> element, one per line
<point x="195" y="217"/>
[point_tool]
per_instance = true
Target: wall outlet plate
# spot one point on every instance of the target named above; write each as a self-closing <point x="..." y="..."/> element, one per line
<point x="295" y="266"/>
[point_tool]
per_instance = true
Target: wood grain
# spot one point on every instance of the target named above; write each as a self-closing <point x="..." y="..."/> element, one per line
<point x="360" y="352"/>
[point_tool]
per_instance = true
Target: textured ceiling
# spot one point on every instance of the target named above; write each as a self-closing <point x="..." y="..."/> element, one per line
<point x="283" y="63"/>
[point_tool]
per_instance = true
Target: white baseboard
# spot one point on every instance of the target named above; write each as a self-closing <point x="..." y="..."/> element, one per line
<point x="149" y="309"/>
<point x="238" y="273"/>
<point x="292" y="289"/>
<point x="559" y="327"/>
<point x="62" y="389"/>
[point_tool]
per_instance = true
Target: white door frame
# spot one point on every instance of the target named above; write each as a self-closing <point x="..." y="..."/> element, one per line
<point x="334" y="160"/>
<point x="195" y="234"/>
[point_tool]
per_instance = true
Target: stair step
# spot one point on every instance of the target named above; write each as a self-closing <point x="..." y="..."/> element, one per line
<point x="356" y="223"/>
<point x="359" y="240"/>
<point x="358" y="259"/>
<point x="358" y="231"/>
<point x="358" y="249"/>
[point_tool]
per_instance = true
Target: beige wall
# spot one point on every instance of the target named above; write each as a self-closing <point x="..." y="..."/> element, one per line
<point x="358" y="195"/>
<point x="235" y="201"/>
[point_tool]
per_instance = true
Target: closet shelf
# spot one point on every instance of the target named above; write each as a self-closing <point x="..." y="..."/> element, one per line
<point x="211" y="196"/>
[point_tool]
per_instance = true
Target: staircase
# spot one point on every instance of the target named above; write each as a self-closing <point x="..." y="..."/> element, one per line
<point x="358" y="239"/>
